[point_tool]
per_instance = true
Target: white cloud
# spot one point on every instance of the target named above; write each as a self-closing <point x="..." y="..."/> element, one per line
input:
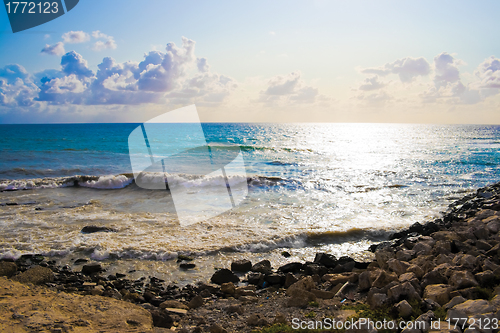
<point x="75" y="37"/>
<point x="56" y="49"/>
<point x="489" y="73"/>
<point x="272" y="33"/>
<point x="371" y="83"/>
<point x="107" y="42"/>
<point x="407" y="68"/>
<point x="288" y="89"/>
<point x="446" y="69"/>
<point x="202" y="64"/>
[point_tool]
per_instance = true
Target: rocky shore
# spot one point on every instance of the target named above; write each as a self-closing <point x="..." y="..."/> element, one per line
<point x="446" y="271"/>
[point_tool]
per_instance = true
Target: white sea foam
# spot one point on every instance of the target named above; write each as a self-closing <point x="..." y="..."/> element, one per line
<point x="108" y="182"/>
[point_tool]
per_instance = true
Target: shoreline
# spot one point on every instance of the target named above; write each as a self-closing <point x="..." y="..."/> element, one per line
<point x="419" y="264"/>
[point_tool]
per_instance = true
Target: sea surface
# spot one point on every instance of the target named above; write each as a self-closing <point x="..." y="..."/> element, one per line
<point x="311" y="187"/>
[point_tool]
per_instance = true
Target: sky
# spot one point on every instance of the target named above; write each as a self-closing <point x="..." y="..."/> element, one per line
<point x="258" y="61"/>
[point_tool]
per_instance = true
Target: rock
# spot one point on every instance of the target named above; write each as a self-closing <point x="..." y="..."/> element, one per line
<point x="7" y="268"/>
<point x="422" y="248"/>
<point x="228" y="288"/>
<point x="325" y="259"/>
<point x="335" y="279"/>
<point x="397" y="266"/>
<point x="306" y="283"/>
<point x="405" y="290"/>
<point x="322" y="294"/>
<point x="279" y="319"/>
<point x="407" y="277"/>
<point x="463" y="279"/>
<point x="248" y="299"/>
<point x="404" y="309"/>
<point x="483" y="245"/>
<point x="36" y="275"/>
<point x="433" y="277"/>
<point x="377" y="300"/>
<point x="216" y="328"/>
<point x="472" y="307"/>
<point x="424" y="320"/>
<point x="382" y="278"/>
<point x="177" y="311"/>
<point x="186" y="266"/>
<point x="274" y="279"/>
<point x="91" y="269"/>
<point x="234" y="309"/>
<point x="255" y="278"/>
<point x="383" y="255"/>
<point x="223" y="276"/>
<point x="365" y="281"/>
<point x="454" y="301"/>
<point x="173" y="305"/>
<point x="92" y="228"/>
<point x="300" y="292"/>
<point x="242" y="265"/>
<point x="256" y="320"/>
<point x="293" y="267"/>
<point x="196" y="302"/>
<point x="263" y="267"/>
<point x="183" y="257"/>
<point x="244" y="291"/>
<point x="405" y="255"/>
<point x="481" y="233"/>
<point x="161" y="318"/>
<point x="290" y="279"/>
<point x="439" y="293"/>
<point x="347" y="290"/>
<point x="286" y="254"/>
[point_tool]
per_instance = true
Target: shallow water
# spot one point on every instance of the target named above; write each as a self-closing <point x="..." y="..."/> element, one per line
<point x="312" y="187"/>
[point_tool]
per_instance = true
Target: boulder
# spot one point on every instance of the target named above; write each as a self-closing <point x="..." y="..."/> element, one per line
<point x="196" y="302"/>
<point x="293" y="267"/>
<point x="454" y="301"/>
<point x="377" y="300"/>
<point x="223" y="276"/>
<point x="36" y="275"/>
<point x="382" y="278"/>
<point x="383" y="255"/>
<point x="439" y="293"/>
<point x="416" y="270"/>
<point x="472" y="307"/>
<point x="306" y="283"/>
<point x="7" y="268"/>
<point x="290" y="279"/>
<point x="91" y="269"/>
<point x="397" y="266"/>
<point x="404" y="309"/>
<point x="325" y="259"/>
<point x="422" y="248"/>
<point x="263" y="267"/>
<point x="403" y="290"/>
<point x="242" y="265"/>
<point x="463" y="279"/>
<point x="405" y="255"/>
<point x="335" y="279"/>
<point x="161" y="318"/>
<point x="300" y="292"/>
<point x="433" y="277"/>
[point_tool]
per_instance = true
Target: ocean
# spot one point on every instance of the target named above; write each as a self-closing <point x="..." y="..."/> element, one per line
<point x="334" y="188"/>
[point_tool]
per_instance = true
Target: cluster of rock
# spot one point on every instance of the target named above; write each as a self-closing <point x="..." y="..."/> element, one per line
<point x="450" y="266"/>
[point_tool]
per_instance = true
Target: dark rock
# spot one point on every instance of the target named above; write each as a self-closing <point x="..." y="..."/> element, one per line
<point x="80" y="261"/>
<point x="92" y="228"/>
<point x="182" y="257"/>
<point x="187" y="266"/>
<point x="224" y="275"/>
<point x="263" y="266"/>
<point x="36" y="275"/>
<point x="275" y="279"/>
<point x="325" y="259"/>
<point x="286" y="254"/>
<point x="255" y="278"/>
<point x="91" y="269"/>
<point x="293" y="267"/>
<point x="161" y="318"/>
<point x="314" y="269"/>
<point x="7" y="268"/>
<point x="120" y="275"/>
<point x="196" y="302"/>
<point x="242" y="265"/>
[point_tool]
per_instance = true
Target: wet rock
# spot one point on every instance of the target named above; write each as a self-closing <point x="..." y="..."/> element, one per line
<point x="92" y="228"/>
<point x="293" y="267"/>
<point x="187" y="266"/>
<point x="242" y="265"/>
<point x="7" y="268"/>
<point x="91" y="269"/>
<point x="404" y="309"/>
<point x="223" y="276"/>
<point x="196" y="302"/>
<point x="286" y="254"/>
<point x="36" y="275"/>
<point x="325" y="259"/>
<point x="263" y="267"/>
<point x="439" y="293"/>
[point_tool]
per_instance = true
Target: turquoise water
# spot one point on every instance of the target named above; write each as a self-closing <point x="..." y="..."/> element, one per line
<point x="334" y="187"/>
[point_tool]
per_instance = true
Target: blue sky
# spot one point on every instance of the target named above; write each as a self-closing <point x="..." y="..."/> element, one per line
<point x="268" y="61"/>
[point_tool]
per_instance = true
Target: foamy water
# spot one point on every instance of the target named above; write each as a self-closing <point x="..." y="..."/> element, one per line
<point x="328" y="187"/>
